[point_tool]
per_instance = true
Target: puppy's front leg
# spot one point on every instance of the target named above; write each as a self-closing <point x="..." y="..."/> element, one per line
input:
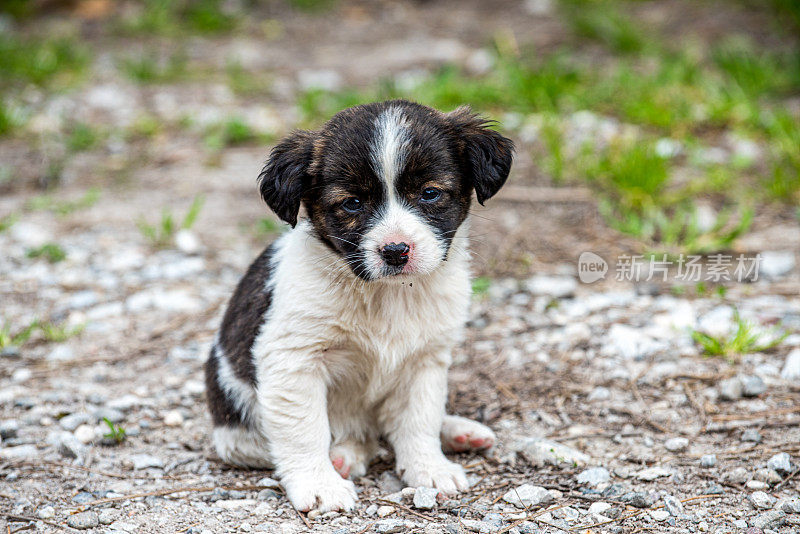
<point x="412" y="420"/>
<point x="293" y="406"/>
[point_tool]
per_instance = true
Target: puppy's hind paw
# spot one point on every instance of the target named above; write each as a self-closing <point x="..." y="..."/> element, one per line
<point x="349" y="460"/>
<point x="460" y="434"/>
<point x="326" y="493"/>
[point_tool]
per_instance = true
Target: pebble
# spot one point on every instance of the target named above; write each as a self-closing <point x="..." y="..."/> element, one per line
<point x="599" y="393"/>
<point x="593" y="476"/>
<point x="751" y="435"/>
<point x="527" y="496"/>
<point x="780" y="462"/>
<point x="541" y="451"/>
<point x="390" y="526"/>
<point x="791" y="367"/>
<point x="673" y="506"/>
<point x="762" y="500"/>
<point x="268" y="482"/>
<point x="599" y="507"/>
<point x="756" y="485"/>
<point x="425" y="498"/>
<point x="187" y="242"/>
<point x="83" y="520"/>
<point x="770" y="519"/>
<point x="770" y="476"/>
<point x="9" y="428"/>
<point x="653" y="473"/>
<point x="708" y="460"/>
<point x="143" y="461"/>
<point x="85" y="434"/>
<point x="106" y="517"/>
<point x="752" y="386"/>
<point x="46" y="512"/>
<point x="676" y="444"/>
<point x="72" y="421"/>
<point x="173" y="418"/>
<point x="790" y="506"/>
<point x="659" y="515"/>
<point x="384" y="511"/>
<point x="730" y="389"/>
<point x="69" y="446"/>
<point x="551" y="286"/>
<point x="638" y="499"/>
<point x="776" y="263"/>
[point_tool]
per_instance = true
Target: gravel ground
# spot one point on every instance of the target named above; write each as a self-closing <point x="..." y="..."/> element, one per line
<point x="608" y="416"/>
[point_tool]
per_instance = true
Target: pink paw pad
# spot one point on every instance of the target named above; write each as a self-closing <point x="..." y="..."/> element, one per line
<point x="341" y="468"/>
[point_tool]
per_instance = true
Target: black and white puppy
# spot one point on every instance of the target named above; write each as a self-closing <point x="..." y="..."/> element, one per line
<point x="341" y="331"/>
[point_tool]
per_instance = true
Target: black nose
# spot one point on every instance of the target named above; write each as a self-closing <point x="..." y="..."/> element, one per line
<point x="395" y="253"/>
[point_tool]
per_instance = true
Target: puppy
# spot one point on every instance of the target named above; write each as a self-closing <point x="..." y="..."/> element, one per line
<point x="341" y="331"/>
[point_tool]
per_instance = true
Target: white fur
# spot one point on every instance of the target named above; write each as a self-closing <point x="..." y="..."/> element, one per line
<point x="340" y="361"/>
<point x="390" y="146"/>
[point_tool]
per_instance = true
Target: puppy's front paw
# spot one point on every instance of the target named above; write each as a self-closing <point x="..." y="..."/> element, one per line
<point x="326" y="493"/>
<point x="441" y="474"/>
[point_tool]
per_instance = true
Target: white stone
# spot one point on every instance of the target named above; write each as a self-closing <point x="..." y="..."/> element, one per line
<point x="593" y="476"/>
<point x="599" y="507"/>
<point x="173" y="418"/>
<point x="326" y="79"/>
<point x="551" y="286"/>
<point x="761" y="500"/>
<point x="776" y="263"/>
<point x="541" y="451"/>
<point x="187" y="242"/>
<point x="143" y="461"/>
<point x="85" y="434"/>
<point x="384" y="511"/>
<point x="791" y="367"/>
<point x="676" y="444"/>
<point x="659" y="515"/>
<point x="425" y="498"/>
<point x="780" y="462"/>
<point x="527" y="495"/>
<point x="653" y="473"/>
<point x="46" y="512"/>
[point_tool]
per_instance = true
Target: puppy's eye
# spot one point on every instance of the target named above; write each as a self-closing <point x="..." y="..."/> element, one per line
<point x="430" y="194"/>
<point x="352" y="205"/>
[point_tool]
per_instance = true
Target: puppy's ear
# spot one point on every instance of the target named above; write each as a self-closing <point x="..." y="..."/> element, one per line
<point x="285" y="176"/>
<point x="485" y="154"/>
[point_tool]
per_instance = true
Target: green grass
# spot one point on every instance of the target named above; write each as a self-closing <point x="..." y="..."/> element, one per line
<point x="231" y="132"/>
<point x="115" y="432"/>
<point x="81" y="137"/>
<point x="52" y="252"/>
<point x="7" y="221"/>
<point x="481" y="285"/>
<point x="161" y="234"/>
<point x="746" y="339"/>
<point x="180" y="18"/>
<point x="45" y="62"/>
<point x="59" y="333"/>
<point x="604" y="23"/>
<point x="49" y="332"/>
<point x="10" y="338"/>
<point x="150" y="68"/>
<point x="245" y="82"/>
<point x="267" y="227"/>
<point x="65" y="207"/>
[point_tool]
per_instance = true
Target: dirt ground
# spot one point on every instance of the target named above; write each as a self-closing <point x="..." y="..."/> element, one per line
<point x="607" y="372"/>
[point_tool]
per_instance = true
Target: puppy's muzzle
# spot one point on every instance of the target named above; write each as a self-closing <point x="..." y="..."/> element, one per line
<point x="395" y="254"/>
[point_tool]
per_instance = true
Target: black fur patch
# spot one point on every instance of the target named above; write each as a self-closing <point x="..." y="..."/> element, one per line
<point x="223" y="410"/>
<point x="240" y="327"/>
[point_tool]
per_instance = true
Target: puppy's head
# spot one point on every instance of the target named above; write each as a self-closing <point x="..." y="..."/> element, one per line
<point x="387" y="185"/>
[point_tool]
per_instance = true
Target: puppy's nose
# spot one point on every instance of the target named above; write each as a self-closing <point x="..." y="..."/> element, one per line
<point x="395" y="253"/>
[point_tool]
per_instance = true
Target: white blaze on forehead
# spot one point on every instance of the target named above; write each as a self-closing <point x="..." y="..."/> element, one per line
<point x="390" y="146"/>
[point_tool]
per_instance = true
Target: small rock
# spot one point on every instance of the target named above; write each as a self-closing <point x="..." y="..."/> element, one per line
<point x="740" y="523"/>
<point x="540" y="451"/>
<point x="751" y="435"/>
<point x="714" y="489"/>
<point x="425" y="498"/>
<point x="46" y="512"/>
<point x="752" y="386"/>
<point x="756" y="485"/>
<point x="143" y="461"/>
<point x="527" y="496"/>
<point x="638" y="499"/>
<point x="313" y="514"/>
<point x="390" y="526"/>
<point x="83" y="520"/>
<point x="384" y="511"/>
<point x="389" y="483"/>
<point x="791" y="367"/>
<point x="69" y="446"/>
<point x="551" y="286"/>
<point x="653" y="473"/>
<point x="269" y="483"/>
<point x="186" y="241"/>
<point x="599" y="393"/>
<point x="85" y="434"/>
<point x="9" y="429"/>
<point x="173" y="418"/>
<point x="790" y="506"/>
<point x="106" y="517"/>
<point x="593" y="476"/>
<point x="673" y="506"/>
<point x="781" y="463"/>
<point x="770" y="519"/>
<point x="761" y="500"/>
<point x="659" y="515"/>
<point x="770" y="476"/>
<point x="730" y="389"/>
<point x="737" y="475"/>
<point x="776" y="263"/>
<point x="599" y="507"/>
<point x="676" y="444"/>
<point x="708" y="460"/>
<point x="72" y="421"/>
